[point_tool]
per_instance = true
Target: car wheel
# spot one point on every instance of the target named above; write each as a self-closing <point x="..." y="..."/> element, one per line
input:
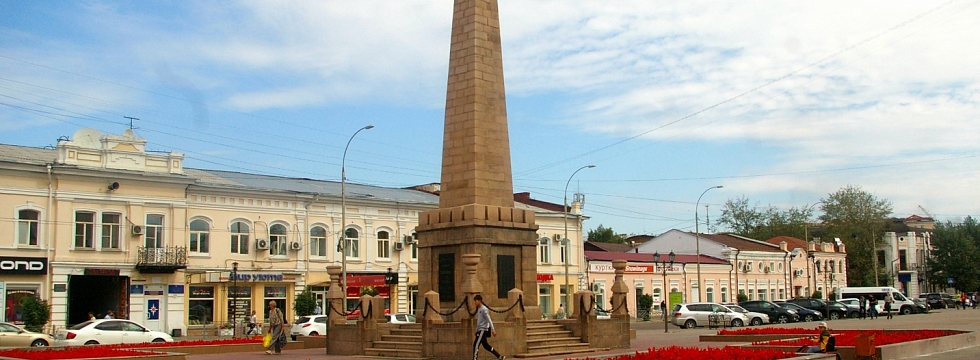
<point x="808" y="318"/>
<point x="782" y="319"/>
<point x="91" y="342"/>
<point x="39" y="343"/>
<point x="756" y="322"/>
<point x="737" y="323"/>
<point x="854" y="315"/>
<point x="906" y="310"/>
<point x="834" y="315"/>
<point x="314" y="333"/>
<point x="159" y="340"/>
<point x="690" y="324"/>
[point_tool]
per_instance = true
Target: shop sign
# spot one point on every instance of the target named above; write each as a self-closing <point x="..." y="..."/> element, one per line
<point x="275" y="291"/>
<point x="545" y="278"/>
<point x="101" y="272"/>
<point x="202" y="292"/>
<point x="355" y="291"/>
<point x="240" y="291"/>
<point x="607" y="268"/>
<point x="12" y="265"/>
<point x="175" y="289"/>
<point x="357" y="280"/>
<point x="60" y="287"/>
<point x="255" y="277"/>
<point x="135" y="289"/>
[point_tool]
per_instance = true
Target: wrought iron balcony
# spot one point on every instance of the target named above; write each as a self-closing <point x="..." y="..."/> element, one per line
<point x="165" y="260"/>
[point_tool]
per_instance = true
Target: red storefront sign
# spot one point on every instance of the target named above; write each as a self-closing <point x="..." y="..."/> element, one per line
<point x="356" y="281"/>
<point x="355" y="291"/>
<point x="544" y="278"/>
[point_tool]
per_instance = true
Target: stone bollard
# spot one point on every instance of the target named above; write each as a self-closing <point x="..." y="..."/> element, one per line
<point x="335" y="297"/>
<point x="431" y="315"/>
<point x="471" y="285"/>
<point x="583" y="305"/>
<point x="619" y="290"/>
<point x="517" y="313"/>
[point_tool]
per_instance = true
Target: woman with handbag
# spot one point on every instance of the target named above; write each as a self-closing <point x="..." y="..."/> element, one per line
<point x="276" y="330"/>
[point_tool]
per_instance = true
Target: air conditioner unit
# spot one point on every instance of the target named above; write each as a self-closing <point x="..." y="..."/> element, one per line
<point x="295" y="245"/>
<point x="798" y="272"/>
<point x="137" y="230"/>
<point x="262" y="244"/>
<point x="747" y="268"/>
<point x="408" y="239"/>
<point x="768" y="270"/>
<point x="399" y="246"/>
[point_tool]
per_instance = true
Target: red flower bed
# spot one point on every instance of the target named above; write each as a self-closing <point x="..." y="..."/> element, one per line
<point x="686" y="353"/>
<point x="882" y="337"/>
<point x="251" y="340"/>
<point x="73" y="352"/>
<point x="769" y="331"/>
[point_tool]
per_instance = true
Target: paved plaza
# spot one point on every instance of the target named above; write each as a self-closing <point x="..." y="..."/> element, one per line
<point x="652" y="335"/>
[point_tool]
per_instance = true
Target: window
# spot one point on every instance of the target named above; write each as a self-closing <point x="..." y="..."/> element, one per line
<point x="780" y="266"/>
<point x="239" y="238"/>
<point x="415" y="251"/>
<point x="816" y="265"/>
<point x="384" y="245"/>
<point x="154" y="231"/>
<point x="840" y="266"/>
<point x="831" y="267"/>
<point x="277" y="240"/>
<point x="751" y="294"/>
<point x="201" y="305"/>
<point x="782" y="294"/>
<point x="760" y="266"/>
<point x="762" y="294"/>
<point x="351" y="242"/>
<point x="772" y="294"/>
<point x="710" y="294"/>
<point x="724" y="294"/>
<point x="15" y="297"/>
<point x="544" y="251"/>
<point x="772" y="266"/>
<point x="544" y="299"/>
<point x="27" y="227"/>
<point x="564" y="251"/>
<point x="84" y="229"/>
<point x="111" y="230"/>
<point x="318" y="241"/>
<point x="200" y="232"/>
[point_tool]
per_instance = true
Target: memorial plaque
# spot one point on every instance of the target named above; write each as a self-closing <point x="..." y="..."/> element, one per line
<point x="447" y="277"/>
<point x="505" y="275"/>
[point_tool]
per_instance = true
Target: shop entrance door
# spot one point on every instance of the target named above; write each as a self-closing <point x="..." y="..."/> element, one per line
<point x="154" y="308"/>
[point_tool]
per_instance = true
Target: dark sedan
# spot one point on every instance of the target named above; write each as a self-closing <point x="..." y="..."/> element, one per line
<point x="777" y="314"/>
<point x="832" y="311"/>
<point x="805" y="314"/>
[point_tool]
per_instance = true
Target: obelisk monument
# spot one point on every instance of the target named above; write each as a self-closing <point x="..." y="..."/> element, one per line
<point x="476" y="213"/>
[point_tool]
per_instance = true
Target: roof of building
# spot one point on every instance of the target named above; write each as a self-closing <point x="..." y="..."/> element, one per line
<point x="607" y="247"/>
<point x="638" y="239"/>
<point x="230" y="179"/>
<point x="791" y="242"/>
<point x="643" y="257"/>
<point x="741" y="243"/>
<point x="27" y="155"/>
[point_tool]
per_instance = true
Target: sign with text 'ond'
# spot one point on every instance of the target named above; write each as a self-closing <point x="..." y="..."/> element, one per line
<point x="11" y="265"/>
<point x="607" y="268"/>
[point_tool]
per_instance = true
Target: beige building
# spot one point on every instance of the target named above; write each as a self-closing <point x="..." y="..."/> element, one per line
<point x="906" y="246"/>
<point x="100" y="224"/>
<point x="815" y="266"/>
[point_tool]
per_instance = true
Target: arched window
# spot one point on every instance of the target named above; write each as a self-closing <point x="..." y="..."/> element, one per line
<point x="710" y="294"/>
<point x="277" y="240"/>
<point x="351" y="242"/>
<point x="761" y="266"/>
<point x="830" y="266"/>
<point x="724" y="294"/>
<point x="239" y="238"/>
<point x="200" y="233"/>
<point x="780" y="266"/>
<point x="816" y="265"/>
<point x="318" y="241"/>
<point x="840" y="267"/>
<point x="27" y="227"/>
<point x="384" y="245"/>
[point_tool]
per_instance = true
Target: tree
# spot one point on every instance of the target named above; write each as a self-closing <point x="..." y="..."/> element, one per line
<point x="645" y="303"/>
<point x="858" y="218"/>
<point x="739" y="216"/>
<point x="816" y="294"/>
<point x="605" y="235"/>
<point x="304" y="304"/>
<point x="955" y="255"/>
<point x="36" y="313"/>
<point x="749" y="221"/>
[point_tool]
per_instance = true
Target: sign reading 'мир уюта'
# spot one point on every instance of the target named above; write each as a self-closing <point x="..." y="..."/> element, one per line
<point x="256" y="277"/>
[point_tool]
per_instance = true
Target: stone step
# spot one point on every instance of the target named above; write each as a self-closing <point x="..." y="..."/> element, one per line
<point x="404" y="338"/>
<point x="394" y="353"/>
<point x="567" y="351"/>
<point x="548" y="334"/>
<point x="557" y="349"/>
<point x="536" y="328"/>
<point x="573" y="341"/>
<point x="407" y="332"/>
<point x="398" y="345"/>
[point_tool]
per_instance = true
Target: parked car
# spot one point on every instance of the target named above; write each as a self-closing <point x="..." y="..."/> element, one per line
<point x="920" y="306"/>
<point x="108" y="331"/>
<point x="13" y="336"/>
<point x="939" y="301"/>
<point x="832" y="311"/>
<point x="853" y="310"/>
<point x="693" y="315"/>
<point x="805" y="314"/>
<point x="601" y="314"/>
<point x="776" y="313"/>
<point x="902" y="304"/>
<point x="755" y="318"/>
<point x="312" y="325"/>
<point x="401" y="318"/>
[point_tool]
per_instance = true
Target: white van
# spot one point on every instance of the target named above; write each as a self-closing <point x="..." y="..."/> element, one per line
<point x="902" y="304"/>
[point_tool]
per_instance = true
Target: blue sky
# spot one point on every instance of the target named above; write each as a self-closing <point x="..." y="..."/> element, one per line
<point x="781" y="102"/>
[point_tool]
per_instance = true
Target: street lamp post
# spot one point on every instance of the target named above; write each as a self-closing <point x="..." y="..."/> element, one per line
<point x="234" y="296"/>
<point x="343" y="215"/>
<point x="663" y="270"/>
<point x="697" y="239"/>
<point x="568" y="291"/>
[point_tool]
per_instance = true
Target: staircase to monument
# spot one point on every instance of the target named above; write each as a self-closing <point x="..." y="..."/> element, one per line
<point x="547" y="338"/>
<point x="404" y="342"/>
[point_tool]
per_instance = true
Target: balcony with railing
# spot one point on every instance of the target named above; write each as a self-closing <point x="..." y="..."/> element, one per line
<point x="164" y="260"/>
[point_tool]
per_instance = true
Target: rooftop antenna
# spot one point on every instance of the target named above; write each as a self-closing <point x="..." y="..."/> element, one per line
<point x="131" y="121"/>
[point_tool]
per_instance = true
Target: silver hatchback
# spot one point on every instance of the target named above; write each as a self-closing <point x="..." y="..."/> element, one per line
<point x="698" y="314"/>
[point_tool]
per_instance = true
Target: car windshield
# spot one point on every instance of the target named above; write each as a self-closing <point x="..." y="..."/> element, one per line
<point x="80" y="326"/>
<point x="792" y="306"/>
<point x="737" y="308"/>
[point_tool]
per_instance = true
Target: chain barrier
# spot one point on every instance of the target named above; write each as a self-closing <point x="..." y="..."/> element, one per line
<point x="520" y="301"/>
<point x="367" y="314"/>
<point x="335" y="311"/>
<point x="582" y="308"/>
<point x="451" y="313"/>
<point x="465" y="302"/>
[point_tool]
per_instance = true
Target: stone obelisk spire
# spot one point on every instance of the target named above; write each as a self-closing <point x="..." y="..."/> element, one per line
<point x="476" y="212"/>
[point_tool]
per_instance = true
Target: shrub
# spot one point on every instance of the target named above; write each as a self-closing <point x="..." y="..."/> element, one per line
<point x="742" y="298"/>
<point x="304" y="304"/>
<point x="36" y="313"/>
<point x="817" y="295"/>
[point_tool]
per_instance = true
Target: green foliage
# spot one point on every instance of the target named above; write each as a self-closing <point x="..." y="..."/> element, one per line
<point x="605" y="235"/>
<point x="36" y="313"/>
<point x="817" y="295"/>
<point x="955" y="255"/>
<point x="369" y="290"/>
<point x="645" y="303"/>
<point x="742" y="297"/>
<point x="756" y="222"/>
<point x="304" y="304"/>
<point x="858" y="218"/>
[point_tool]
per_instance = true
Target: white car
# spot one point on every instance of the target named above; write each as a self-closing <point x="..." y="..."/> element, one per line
<point x="399" y="318"/>
<point x="108" y="331"/>
<point x="602" y="314"/>
<point x="312" y="325"/>
<point x="698" y="314"/>
<point x="13" y="336"/>
<point x="755" y="318"/>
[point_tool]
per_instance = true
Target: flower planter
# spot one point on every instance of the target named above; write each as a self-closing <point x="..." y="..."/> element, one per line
<point x="893" y="344"/>
<point x="725" y="353"/>
<point x="226" y="332"/>
<point x="87" y="353"/>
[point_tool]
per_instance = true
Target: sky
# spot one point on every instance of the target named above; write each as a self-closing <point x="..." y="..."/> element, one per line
<point x="779" y="102"/>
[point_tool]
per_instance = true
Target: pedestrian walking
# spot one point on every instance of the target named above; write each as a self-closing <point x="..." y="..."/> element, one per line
<point x="873" y="307"/>
<point x="973" y="300"/>
<point x="276" y="330"/>
<point x="253" y="322"/>
<point x="889" y="299"/>
<point x="862" y="307"/>
<point x="484" y="329"/>
<point x="963" y="300"/>
<point x="663" y="310"/>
